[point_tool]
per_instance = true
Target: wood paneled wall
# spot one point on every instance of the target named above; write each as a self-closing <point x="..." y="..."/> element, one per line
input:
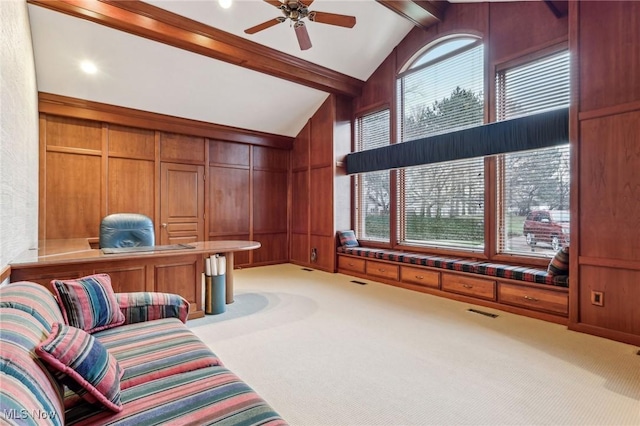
<point x="605" y="135"/>
<point x="606" y="124"/>
<point x="318" y="186"/>
<point x="91" y="168"/>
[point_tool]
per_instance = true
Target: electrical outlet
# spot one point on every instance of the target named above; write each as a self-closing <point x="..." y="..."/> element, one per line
<point x="597" y="298"/>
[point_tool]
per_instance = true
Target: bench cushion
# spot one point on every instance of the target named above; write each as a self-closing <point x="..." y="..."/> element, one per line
<point x="513" y="272"/>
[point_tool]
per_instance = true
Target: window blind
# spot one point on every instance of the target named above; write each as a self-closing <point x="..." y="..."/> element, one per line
<point x="372" y="191"/>
<point x="534" y="188"/>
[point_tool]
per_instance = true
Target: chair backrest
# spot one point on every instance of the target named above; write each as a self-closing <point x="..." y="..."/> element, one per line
<point x="126" y="230"/>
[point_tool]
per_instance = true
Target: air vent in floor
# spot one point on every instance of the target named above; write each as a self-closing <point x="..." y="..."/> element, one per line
<point x="358" y="282"/>
<point x="307" y="269"/>
<point x="487" y="314"/>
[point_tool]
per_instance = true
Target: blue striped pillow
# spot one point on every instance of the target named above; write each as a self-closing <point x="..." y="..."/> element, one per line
<point x="86" y="366"/>
<point x="88" y="303"/>
<point x="348" y="238"/>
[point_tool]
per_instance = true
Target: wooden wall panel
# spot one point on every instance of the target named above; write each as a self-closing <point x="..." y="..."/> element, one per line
<point x="610" y="187"/>
<point x="300" y="205"/>
<point x="182" y="148"/>
<point x="73" y="133"/>
<point x="609" y="34"/>
<point x="129" y="142"/>
<point x="270" y="159"/>
<point x="131" y="187"/>
<point x="73" y="195"/>
<point x="234" y="154"/>
<point x="300" y="248"/>
<point x="229" y="208"/>
<point x="379" y="88"/>
<point x="274" y="249"/>
<point x="621" y="288"/>
<point x="321" y="201"/>
<point x="511" y="37"/>
<point x="269" y="201"/>
<point x="321" y="143"/>
<point x="300" y="152"/>
<point x="326" y="252"/>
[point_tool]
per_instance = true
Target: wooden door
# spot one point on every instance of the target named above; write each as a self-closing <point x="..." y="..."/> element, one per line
<point x="181" y="203"/>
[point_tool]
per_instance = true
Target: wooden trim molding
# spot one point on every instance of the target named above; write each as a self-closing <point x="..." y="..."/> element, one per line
<point x="151" y="22"/>
<point x="79" y="108"/>
<point x="421" y="13"/>
<point x="5" y="273"/>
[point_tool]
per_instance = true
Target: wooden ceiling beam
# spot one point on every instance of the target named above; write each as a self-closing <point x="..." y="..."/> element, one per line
<point x="422" y="13"/>
<point x="145" y="20"/>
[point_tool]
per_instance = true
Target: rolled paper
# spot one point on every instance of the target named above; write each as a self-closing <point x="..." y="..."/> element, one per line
<point x="214" y="265"/>
<point x="222" y="265"/>
<point x="207" y="267"/>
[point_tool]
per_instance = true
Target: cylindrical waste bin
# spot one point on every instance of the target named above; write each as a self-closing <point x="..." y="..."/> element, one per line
<point x="215" y="297"/>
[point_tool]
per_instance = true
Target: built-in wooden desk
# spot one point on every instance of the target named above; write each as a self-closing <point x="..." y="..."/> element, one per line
<point x="170" y="271"/>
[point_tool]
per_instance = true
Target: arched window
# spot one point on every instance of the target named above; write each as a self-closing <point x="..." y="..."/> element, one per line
<point x="441" y="90"/>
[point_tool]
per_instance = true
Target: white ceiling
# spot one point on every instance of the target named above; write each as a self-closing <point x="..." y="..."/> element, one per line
<point x="138" y="73"/>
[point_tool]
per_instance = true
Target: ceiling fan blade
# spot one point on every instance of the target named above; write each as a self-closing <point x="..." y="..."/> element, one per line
<point x="270" y="23"/>
<point x="303" y="36"/>
<point x="333" y="19"/>
<point x="276" y="3"/>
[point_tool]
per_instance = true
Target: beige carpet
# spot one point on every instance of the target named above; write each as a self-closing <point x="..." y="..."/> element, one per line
<point x="325" y="351"/>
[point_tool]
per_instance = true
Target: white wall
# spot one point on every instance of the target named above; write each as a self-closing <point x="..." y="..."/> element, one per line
<point x="18" y="133"/>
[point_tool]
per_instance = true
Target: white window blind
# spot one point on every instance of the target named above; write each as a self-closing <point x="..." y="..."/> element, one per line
<point x="373" y="198"/>
<point x="533" y="186"/>
<point x="443" y="95"/>
<point x="443" y="205"/>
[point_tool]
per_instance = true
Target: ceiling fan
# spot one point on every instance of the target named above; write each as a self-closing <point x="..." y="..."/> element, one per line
<point x="296" y="11"/>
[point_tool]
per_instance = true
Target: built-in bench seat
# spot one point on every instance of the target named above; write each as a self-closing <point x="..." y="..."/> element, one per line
<point x="536" y="292"/>
<point x="521" y="273"/>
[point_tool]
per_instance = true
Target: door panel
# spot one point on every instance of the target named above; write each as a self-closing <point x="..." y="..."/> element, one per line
<point x="181" y="203"/>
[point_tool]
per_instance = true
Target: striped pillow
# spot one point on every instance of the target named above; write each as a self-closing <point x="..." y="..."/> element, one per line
<point x="348" y="238"/>
<point x="559" y="265"/>
<point x="84" y="363"/>
<point x="88" y="303"/>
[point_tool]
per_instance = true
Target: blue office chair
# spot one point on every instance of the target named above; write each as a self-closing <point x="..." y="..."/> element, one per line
<point x="126" y="230"/>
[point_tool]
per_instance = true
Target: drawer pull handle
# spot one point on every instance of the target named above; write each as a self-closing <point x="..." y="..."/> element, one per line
<point x="351" y="264"/>
<point x="467" y="286"/>
<point x="533" y="299"/>
<point x="382" y="270"/>
<point x="420" y="277"/>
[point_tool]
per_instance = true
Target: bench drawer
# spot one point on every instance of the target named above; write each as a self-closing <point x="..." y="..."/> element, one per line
<point x="423" y="277"/>
<point x="534" y="298"/>
<point x="383" y="270"/>
<point x="482" y="289"/>
<point x="352" y="264"/>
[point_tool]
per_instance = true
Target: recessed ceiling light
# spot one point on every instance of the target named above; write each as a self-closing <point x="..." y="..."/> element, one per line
<point x="88" y="67"/>
<point x="225" y="4"/>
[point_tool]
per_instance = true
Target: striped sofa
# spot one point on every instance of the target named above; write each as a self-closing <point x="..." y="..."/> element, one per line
<point x="521" y="273"/>
<point x="169" y="375"/>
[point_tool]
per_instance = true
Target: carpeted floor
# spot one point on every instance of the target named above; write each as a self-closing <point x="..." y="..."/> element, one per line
<point x="325" y="351"/>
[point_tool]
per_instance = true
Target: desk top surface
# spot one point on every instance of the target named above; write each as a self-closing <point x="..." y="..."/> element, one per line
<point x="79" y="250"/>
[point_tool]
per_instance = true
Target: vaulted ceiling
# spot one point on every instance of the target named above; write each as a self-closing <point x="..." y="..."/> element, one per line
<point x="192" y="59"/>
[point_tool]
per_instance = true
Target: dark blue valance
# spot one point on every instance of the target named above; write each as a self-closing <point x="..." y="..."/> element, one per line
<point x="519" y="134"/>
